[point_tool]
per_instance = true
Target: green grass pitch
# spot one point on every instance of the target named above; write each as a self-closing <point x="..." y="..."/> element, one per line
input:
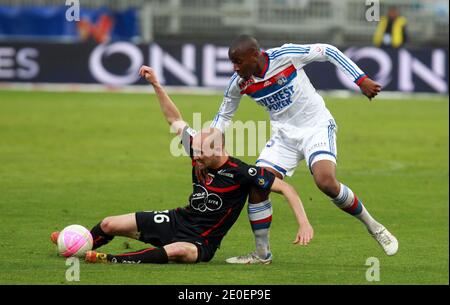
<point x="70" y="158"/>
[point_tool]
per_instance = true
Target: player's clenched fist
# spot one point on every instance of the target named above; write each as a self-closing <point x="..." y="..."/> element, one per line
<point x="149" y="74"/>
<point x="370" y="88"/>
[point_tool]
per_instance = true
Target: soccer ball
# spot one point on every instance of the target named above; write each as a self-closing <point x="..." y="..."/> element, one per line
<point x="74" y="240"/>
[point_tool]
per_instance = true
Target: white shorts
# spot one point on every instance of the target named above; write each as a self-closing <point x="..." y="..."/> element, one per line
<point x="288" y="146"/>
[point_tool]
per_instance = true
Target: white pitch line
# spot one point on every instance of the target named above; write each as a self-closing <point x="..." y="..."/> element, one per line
<point x="75" y="87"/>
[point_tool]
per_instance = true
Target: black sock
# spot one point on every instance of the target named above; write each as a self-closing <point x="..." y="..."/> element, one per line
<point x="145" y="256"/>
<point x="99" y="237"/>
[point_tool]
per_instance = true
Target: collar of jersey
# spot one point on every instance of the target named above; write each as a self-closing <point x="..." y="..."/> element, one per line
<point x="221" y="167"/>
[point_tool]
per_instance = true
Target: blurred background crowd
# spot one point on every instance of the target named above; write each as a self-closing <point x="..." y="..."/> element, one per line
<point x="273" y="21"/>
<point x="418" y="26"/>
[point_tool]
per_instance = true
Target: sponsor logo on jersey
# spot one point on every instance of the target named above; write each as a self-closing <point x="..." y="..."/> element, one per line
<point x="203" y="201"/>
<point x="243" y="84"/>
<point x="252" y="171"/>
<point x="209" y="179"/>
<point x="282" y="80"/>
<point x="270" y="85"/>
<point x="223" y="173"/>
<point x="279" y="100"/>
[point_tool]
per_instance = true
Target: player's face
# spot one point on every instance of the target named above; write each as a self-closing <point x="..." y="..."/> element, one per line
<point x="203" y="150"/>
<point x="244" y="63"/>
<point x="202" y="154"/>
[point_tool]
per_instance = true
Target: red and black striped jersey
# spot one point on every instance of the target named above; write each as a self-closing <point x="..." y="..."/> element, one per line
<point x="215" y="205"/>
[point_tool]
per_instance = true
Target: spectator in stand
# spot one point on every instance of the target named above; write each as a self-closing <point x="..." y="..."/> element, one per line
<point x="391" y="30"/>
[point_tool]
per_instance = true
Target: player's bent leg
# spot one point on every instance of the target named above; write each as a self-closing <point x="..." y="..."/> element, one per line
<point x="324" y="173"/>
<point x="182" y="252"/>
<point x="122" y="225"/>
<point x="103" y="232"/>
<point x="260" y="217"/>
<point x="144" y="256"/>
<point x="281" y="158"/>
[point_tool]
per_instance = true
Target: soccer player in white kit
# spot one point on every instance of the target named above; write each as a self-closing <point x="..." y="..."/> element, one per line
<point x="302" y="128"/>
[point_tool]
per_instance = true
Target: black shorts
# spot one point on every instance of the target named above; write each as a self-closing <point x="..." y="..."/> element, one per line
<point x="160" y="228"/>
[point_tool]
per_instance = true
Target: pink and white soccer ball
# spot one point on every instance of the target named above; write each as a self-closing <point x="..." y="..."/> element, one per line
<point x="74" y="240"/>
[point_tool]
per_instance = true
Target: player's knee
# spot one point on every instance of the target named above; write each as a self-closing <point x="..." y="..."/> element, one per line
<point x="328" y="184"/>
<point x="107" y="225"/>
<point x="257" y="195"/>
<point x="181" y="252"/>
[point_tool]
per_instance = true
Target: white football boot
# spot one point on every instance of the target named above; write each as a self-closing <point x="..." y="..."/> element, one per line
<point x="249" y="259"/>
<point x="386" y="240"/>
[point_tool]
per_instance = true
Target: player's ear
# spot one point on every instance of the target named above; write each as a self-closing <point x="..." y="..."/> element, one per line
<point x="255" y="53"/>
<point x="218" y="150"/>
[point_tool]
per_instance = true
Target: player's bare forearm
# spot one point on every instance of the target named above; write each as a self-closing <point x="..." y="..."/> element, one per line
<point x="168" y="107"/>
<point x="370" y="88"/>
<point x="294" y="201"/>
<point x="305" y="232"/>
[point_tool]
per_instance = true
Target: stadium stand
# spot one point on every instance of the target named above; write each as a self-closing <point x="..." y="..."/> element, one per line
<point x="279" y="20"/>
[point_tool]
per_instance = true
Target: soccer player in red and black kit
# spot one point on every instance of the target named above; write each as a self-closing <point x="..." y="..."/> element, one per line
<point x="193" y="233"/>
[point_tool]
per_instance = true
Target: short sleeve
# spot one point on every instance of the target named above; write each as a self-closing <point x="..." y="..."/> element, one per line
<point x="257" y="176"/>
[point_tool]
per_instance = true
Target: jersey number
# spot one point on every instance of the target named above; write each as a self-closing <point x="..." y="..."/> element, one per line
<point x="160" y="217"/>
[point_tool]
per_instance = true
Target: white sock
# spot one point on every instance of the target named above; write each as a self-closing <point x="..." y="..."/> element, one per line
<point x="348" y="202"/>
<point x="260" y="216"/>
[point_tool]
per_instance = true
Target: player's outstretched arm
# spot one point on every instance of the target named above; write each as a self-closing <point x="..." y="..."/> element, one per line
<point x="304" y="54"/>
<point x="305" y="232"/>
<point x="168" y="107"/>
<point x="367" y="86"/>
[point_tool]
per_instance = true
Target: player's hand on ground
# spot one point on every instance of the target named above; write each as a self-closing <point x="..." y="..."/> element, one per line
<point x="370" y="88"/>
<point x="304" y="235"/>
<point x="149" y="74"/>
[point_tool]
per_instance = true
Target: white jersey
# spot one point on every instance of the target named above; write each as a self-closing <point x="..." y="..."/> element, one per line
<point x="284" y="89"/>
